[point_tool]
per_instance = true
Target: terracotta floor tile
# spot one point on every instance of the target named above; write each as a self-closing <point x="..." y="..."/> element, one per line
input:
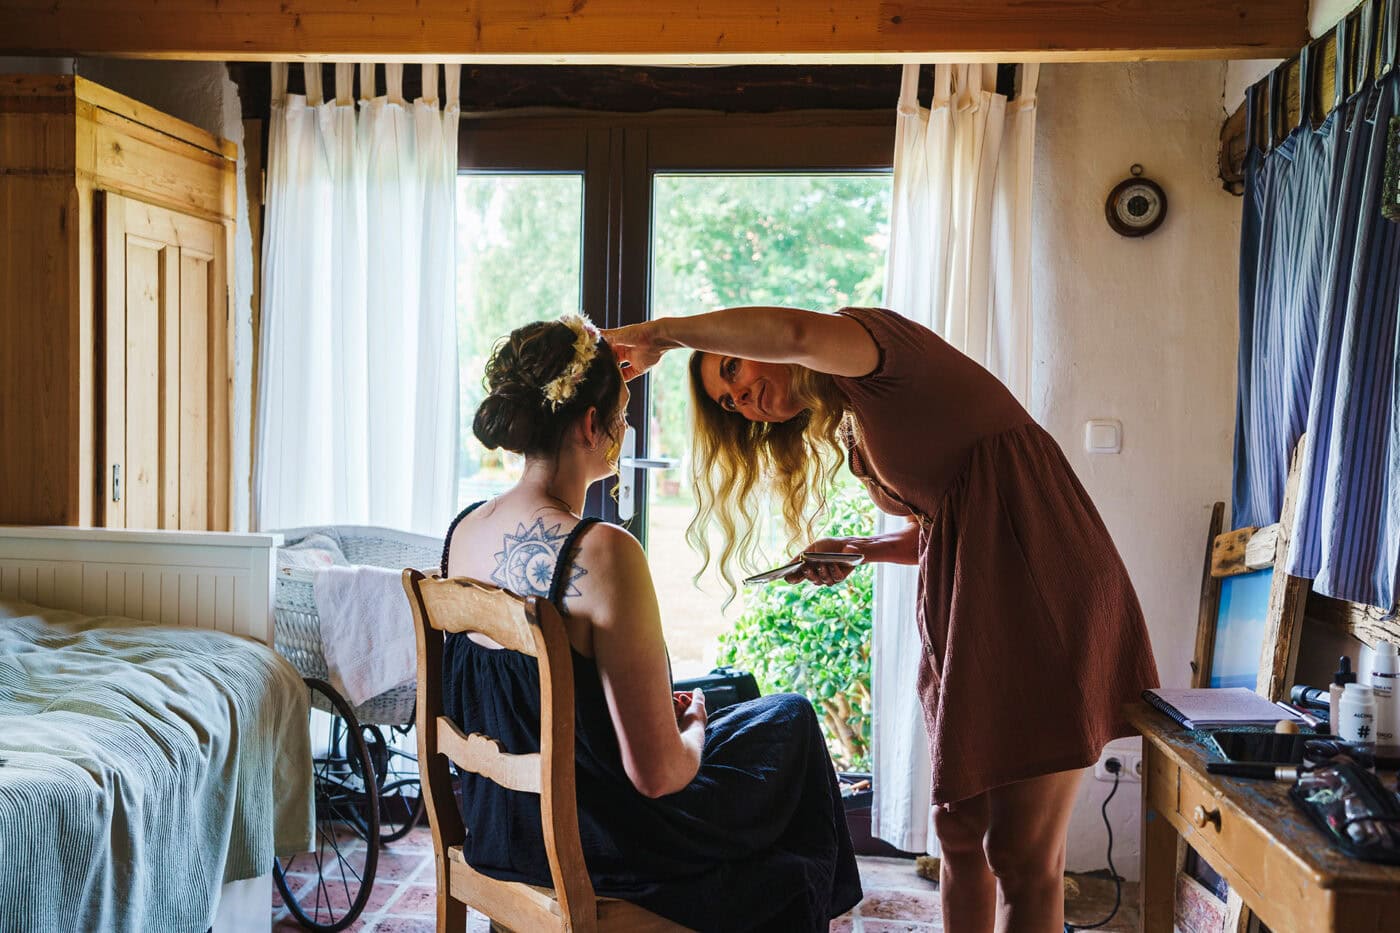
<point x="414" y="900"/>
<point x="337" y="898"/>
<point x="402" y="866"/>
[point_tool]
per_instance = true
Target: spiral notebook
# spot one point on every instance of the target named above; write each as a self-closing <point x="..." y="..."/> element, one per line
<point x="1214" y="707"/>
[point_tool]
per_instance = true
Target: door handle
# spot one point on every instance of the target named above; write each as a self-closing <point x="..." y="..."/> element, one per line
<point x="648" y="463"/>
<point x="116" y="482"/>
<point x="629" y="473"/>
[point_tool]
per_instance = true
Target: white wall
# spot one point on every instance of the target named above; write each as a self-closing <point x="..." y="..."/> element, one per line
<point x="1144" y="331"/>
<point x="199" y="93"/>
<point x="1324" y="14"/>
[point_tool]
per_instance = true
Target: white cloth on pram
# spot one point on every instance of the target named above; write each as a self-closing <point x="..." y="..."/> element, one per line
<point x="366" y="630"/>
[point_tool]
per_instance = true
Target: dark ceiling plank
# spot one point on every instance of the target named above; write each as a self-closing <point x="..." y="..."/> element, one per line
<point x="657" y="31"/>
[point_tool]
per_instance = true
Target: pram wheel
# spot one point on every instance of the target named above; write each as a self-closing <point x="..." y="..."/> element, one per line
<point x="400" y="795"/>
<point x="327" y="889"/>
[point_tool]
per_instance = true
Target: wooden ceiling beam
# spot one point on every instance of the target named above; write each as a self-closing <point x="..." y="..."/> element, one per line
<point x="657" y="32"/>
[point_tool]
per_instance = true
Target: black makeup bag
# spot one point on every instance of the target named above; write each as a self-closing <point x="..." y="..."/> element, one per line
<point x="1352" y="808"/>
<point x="723" y="686"/>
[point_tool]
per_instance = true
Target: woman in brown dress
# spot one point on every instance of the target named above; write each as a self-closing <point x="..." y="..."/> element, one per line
<point x="1033" y="638"/>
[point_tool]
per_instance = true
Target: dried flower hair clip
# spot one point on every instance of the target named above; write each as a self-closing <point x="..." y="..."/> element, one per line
<point x="561" y="388"/>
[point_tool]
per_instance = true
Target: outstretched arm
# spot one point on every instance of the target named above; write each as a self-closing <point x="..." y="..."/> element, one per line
<point x="828" y="343"/>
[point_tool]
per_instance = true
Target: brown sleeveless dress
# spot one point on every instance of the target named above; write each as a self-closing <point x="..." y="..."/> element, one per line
<point x="1033" y="639"/>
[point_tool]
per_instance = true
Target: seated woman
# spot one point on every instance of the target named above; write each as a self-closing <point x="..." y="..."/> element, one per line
<point x="724" y="822"/>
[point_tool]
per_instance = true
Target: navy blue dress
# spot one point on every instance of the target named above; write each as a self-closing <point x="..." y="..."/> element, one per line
<point x="757" y="841"/>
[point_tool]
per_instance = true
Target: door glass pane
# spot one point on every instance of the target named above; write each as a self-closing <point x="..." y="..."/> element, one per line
<point x="519" y="249"/>
<point x="808" y="241"/>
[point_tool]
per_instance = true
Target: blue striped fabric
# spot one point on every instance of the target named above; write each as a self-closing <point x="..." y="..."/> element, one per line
<point x="1348" y="522"/>
<point x="1286" y="238"/>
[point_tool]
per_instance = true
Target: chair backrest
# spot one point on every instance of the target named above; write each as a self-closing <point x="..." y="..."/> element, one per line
<point x="530" y="626"/>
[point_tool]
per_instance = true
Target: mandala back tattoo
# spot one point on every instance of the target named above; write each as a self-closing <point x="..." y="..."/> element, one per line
<point x="525" y="564"/>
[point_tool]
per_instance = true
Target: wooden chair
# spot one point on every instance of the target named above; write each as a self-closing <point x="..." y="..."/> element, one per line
<point x="531" y="626"/>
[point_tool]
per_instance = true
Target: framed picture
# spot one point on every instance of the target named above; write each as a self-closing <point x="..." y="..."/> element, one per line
<point x="1241" y="620"/>
<point x="1250" y="615"/>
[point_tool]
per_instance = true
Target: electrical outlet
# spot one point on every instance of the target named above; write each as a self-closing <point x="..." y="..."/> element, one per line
<point x="1130" y="765"/>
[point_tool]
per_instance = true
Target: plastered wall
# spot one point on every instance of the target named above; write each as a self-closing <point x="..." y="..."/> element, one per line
<point x="1143" y="331"/>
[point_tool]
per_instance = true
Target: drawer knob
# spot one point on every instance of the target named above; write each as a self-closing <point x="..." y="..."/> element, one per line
<point x="1203" y="817"/>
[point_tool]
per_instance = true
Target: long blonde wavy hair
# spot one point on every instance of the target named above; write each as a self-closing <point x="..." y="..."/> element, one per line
<point x="740" y="467"/>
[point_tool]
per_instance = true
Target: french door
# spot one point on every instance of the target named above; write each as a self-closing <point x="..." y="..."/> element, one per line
<point x="636" y="216"/>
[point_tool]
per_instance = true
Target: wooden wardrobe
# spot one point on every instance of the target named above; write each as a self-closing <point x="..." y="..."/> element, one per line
<point x="116" y="229"/>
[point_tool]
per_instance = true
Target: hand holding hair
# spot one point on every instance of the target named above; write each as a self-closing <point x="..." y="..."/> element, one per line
<point x="638" y="347"/>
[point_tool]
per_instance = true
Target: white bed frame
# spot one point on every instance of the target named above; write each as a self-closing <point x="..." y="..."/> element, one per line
<point x="201" y="579"/>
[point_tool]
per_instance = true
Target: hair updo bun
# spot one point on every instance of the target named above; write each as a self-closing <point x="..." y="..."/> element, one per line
<point x="516" y="415"/>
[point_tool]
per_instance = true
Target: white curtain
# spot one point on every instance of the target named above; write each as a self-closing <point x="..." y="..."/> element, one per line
<point x="959" y="263"/>
<point x="358" y="392"/>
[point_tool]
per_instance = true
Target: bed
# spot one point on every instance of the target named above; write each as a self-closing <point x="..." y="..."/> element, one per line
<point x="154" y="746"/>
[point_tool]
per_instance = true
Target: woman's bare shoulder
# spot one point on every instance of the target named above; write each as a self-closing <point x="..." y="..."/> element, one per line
<point x="606" y="542"/>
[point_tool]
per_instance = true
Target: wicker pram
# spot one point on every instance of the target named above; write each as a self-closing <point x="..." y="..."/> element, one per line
<point x="367" y="782"/>
<point x="298" y="627"/>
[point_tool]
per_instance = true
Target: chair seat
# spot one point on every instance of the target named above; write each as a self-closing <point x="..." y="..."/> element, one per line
<point x="613" y="913"/>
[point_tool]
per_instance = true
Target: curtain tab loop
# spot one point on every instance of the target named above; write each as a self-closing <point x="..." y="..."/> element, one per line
<point x="942" y="85"/>
<point x="279" y="83"/>
<point x="988" y="79"/>
<point x="1306" y="91"/>
<point x="962" y="86"/>
<point x="1253" y="116"/>
<point x="452" y="81"/>
<point x="314" y="94"/>
<point x="393" y="82"/>
<point x="909" y="89"/>
<point x="1368" y="21"/>
<point x="430" y="85"/>
<point x="1027" y="79"/>
<point x="368" y="84"/>
<point x="1342" y="74"/>
<point x="1274" y="88"/>
<point x="344" y="84"/>
<point x="1390" y="39"/>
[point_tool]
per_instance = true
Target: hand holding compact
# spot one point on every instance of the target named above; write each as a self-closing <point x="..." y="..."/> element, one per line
<point x="827" y="572"/>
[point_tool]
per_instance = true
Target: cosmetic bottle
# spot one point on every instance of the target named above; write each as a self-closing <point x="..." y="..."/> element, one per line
<point x="1358" y="715"/>
<point x="1340" y="679"/>
<point x="1385" y="668"/>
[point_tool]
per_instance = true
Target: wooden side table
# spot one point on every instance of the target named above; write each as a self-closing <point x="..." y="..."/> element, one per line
<point x="1251" y="833"/>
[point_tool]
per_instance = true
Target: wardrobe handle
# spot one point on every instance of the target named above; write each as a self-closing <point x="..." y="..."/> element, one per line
<point x="116" y="482"/>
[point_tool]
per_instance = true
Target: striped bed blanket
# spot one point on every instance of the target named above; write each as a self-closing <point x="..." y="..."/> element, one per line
<point x="141" y="768"/>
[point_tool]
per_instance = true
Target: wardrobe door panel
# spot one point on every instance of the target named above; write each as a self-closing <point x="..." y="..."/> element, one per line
<point x="150" y="268"/>
<point x="165" y="301"/>
<point x="196" y="273"/>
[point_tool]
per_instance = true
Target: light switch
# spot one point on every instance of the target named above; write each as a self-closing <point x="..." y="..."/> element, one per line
<point x="1103" y="436"/>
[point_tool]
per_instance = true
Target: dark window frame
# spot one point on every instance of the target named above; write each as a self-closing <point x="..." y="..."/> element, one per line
<point x="619" y="154"/>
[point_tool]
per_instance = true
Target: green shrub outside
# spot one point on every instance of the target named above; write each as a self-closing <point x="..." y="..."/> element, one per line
<point x="815" y="640"/>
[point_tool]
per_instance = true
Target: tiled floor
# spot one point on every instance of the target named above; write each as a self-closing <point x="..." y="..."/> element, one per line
<point x="896" y="899"/>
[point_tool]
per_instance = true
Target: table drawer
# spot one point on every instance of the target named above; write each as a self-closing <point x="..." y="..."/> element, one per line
<point x="1200" y="806"/>
<point x="1219" y="827"/>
